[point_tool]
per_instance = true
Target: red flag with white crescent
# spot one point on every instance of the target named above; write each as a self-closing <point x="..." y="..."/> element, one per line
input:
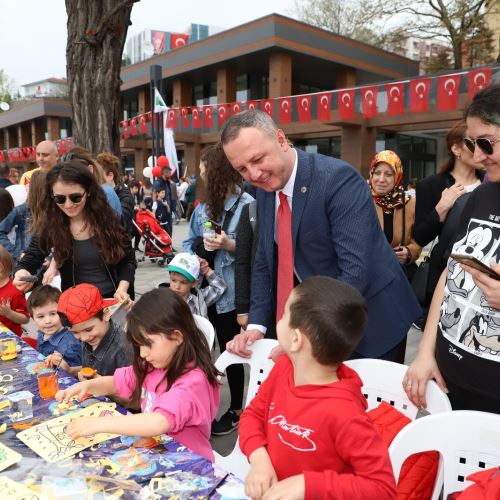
<point x="447" y="93"/>
<point x="478" y="80"/>
<point x="285" y="110"/>
<point x="124" y="126"/>
<point x="171" y="121"/>
<point x="178" y="40"/>
<point x="208" y="116"/>
<point x="196" y="114"/>
<point x="419" y="95"/>
<point x="235" y="108"/>
<point x="223" y="112"/>
<point x="304" y="107"/>
<point x="369" y="101"/>
<point x="346" y="104"/>
<point x="324" y="106"/>
<point x="267" y="105"/>
<point x="185" y="116"/>
<point x="252" y="105"/>
<point x="133" y="127"/>
<point x="142" y="124"/>
<point x="395" y="98"/>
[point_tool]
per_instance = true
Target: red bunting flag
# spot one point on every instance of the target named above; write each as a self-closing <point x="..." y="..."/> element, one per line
<point x="133" y="127"/>
<point x="196" y="113"/>
<point x="252" y="105"/>
<point x="395" y="98"/>
<point x="323" y="103"/>
<point x="222" y="111"/>
<point x="346" y="104"/>
<point x="208" y="116"/>
<point x="142" y="124"/>
<point x="419" y="95"/>
<point x="178" y="40"/>
<point x="369" y="101"/>
<point x="171" y="121"/>
<point x="185" y="116"/>
<point x="447" y="93"/>
<point x="236" y="108"/>
<point x="285" y="110"/>
<point x="2" y="156"/>
<point x="124" y="126"/>
<point x="304" y="108"/>
<point x="478" y="80"/>
<point x="148" y="116"/>
<point x="267" y="105"/>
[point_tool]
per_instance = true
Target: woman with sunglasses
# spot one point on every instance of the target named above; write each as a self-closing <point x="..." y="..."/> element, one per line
<point x="460" y="347"/>
<point x="435" y="197"/>
<point x="83" y="234"/>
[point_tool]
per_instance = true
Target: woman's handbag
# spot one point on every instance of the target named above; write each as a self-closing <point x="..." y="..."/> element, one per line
<point x="420" y="279"/>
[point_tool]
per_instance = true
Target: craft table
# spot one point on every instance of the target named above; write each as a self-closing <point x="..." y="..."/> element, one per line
<point x="117" y="459"/>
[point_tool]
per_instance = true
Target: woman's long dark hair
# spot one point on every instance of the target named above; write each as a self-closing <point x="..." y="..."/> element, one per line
<point x="6" y="203"/>
<point x="160" y="312"/>
<point x="54" y="231"/>
<point x="454" y="137"/>
<point x="220" y="177"/>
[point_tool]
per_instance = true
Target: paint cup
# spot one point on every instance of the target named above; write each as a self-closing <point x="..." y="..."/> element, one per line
<point x="88" y="373"/>
<point x="8" y="349"/>
<point x="47" y="384"/>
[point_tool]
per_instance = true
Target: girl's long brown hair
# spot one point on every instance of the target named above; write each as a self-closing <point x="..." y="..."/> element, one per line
<point x="36" y="193"/>
<point x="160" y="312"/>
<point x="53" y="230"/>
<point x="220" y="177"/>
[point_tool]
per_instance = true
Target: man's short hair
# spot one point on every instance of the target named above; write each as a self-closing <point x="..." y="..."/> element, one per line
<point x="4" y="170"/>
<point x="42" y="296"/>
<point x="332" y="315"/>
<point x="252" y="118"/>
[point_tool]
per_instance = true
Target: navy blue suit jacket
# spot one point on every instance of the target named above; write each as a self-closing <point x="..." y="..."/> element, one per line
<point x="336" y="233"/>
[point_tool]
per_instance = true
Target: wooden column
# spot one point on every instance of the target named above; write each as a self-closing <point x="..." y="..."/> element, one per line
<point x="24" y="134"/>
<point x="13" y="138"/>
<point x="345" y="78"/>
<point x="53" y="128"/>
<point x="280" y="75"/>
<point x="358" y="147"/>
<point x="140" y="161"/>
<point x="192" y="152"/>
<point x="144" y="101"/>
<point x="37" y="132"/>
<point x="182" y="93"/>
<point x="226" y="85"/>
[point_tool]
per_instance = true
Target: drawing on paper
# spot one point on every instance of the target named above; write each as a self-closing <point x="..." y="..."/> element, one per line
<point x="16" y="491"/>
<point x="8" y="457"/>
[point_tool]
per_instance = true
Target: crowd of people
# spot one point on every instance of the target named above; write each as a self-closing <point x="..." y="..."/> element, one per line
<point x="320" y="258"/>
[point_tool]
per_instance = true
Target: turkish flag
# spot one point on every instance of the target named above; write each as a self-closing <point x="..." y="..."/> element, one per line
<point x="148" y="116"/>
<point x="208" y="116"/>
<point x="447" y="94"/>
<point x="285" y="109"/>
<point x="142" y="124"/>
<point x="252" y="105"/>
<point x="124" y="126"/>
<point x="419" y="95"/>
<point x="267" y="105"/>
<point x="178" y="40"/>
<point x="395" y="98"/>
<point x="369" y="101"/>
<point x="346" y="104"/>
<point x="323" y="104"/>
<point x="304" y="107"/>
<point x="196" y="113"/>
<point x="2" y="156"/>
<point x="236" y="108"/>
<point x="171" y="121"/>
<point x="185" y="116"/>
<point x="478" y="80"/>
<point x="223" y="112"/>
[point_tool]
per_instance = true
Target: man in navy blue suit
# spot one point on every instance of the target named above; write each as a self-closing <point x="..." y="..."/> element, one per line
<point x="335" y="232"/>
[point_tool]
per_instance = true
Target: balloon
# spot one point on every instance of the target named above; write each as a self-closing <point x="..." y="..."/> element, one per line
<point x="19" y="193"/>
<point x="151" y="161"/>
<point x="148" y="172"/>
<point x="163" y="161"/>
<point x="157" y="171"/>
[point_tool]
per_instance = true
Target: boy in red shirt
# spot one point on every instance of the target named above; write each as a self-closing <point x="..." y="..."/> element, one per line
<point x="306" y="433"/>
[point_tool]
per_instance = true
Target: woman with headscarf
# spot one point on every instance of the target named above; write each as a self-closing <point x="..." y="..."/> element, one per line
<point x="395" y="210"/>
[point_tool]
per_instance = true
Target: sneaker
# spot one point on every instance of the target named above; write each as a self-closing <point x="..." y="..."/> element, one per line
<point x="226" y="424"/>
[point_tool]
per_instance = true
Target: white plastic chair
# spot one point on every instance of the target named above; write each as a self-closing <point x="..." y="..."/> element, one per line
<point x="207" y="328"/>
<point x="260" y="366"/>
<point x="383" y="381"/>
<point x="468" y="441"/>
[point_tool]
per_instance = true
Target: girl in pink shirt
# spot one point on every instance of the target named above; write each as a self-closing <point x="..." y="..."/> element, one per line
<point x="172" y="377"/>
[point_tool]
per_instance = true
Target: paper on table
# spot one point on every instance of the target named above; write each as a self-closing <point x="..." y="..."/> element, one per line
<point x="13" y="489"/>
<point x="50" y="441"/>
<point x="8" y="457"/>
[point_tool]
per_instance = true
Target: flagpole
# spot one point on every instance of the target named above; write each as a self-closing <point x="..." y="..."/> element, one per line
<point x="153" y="73"/>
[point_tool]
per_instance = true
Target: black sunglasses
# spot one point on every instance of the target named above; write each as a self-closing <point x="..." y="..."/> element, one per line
<point x="60" y="199"/>
<point x="485" y="145"/>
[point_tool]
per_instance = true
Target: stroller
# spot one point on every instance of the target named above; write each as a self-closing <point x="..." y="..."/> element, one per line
<point x="155" y="243"/>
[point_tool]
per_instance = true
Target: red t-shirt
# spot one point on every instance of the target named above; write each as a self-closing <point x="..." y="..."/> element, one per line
<point x="17" y="304"/>
<point x="321" y="431"/>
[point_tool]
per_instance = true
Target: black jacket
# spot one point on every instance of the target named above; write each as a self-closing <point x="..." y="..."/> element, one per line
<point x="127" y="202"/>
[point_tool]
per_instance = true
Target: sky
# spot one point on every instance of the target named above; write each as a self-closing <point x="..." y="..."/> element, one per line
<point x="33" y="32"/>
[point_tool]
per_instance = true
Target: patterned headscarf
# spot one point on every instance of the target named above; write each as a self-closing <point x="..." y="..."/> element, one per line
<point x="394" y="198"/>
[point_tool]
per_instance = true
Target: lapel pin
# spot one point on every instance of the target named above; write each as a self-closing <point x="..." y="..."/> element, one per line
<point x="303" y="189"/>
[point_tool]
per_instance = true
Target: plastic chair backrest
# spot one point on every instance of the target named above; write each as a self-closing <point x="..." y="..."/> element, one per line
<point x="382" y="381"/>
<point x="207" y="328"/>
<point x="468" y="441"/>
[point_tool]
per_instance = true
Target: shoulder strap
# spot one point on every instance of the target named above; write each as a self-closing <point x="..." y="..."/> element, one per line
<point x="403" y="234"/>
<point x="252" y="214"/>
<point x="230" y="213"/>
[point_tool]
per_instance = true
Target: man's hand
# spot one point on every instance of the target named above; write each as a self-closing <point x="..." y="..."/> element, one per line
<point x="261" y="475"/>
<point x="291" y="488"/>
<point x="489" y="286"/>
<point x="242" y="320"/>
<point x="240" y="343"/>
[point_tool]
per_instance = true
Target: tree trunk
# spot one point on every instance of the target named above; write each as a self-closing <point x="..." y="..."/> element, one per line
<point x="96" y="35"/>
<point x="457" y="55"/>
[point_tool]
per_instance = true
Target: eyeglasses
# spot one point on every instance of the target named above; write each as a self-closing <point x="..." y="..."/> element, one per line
<point x="60" y="199"/>
<point x="485" y="145"/>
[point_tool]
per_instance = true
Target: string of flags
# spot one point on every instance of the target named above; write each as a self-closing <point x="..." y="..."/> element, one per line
<point x="29" y="152"/>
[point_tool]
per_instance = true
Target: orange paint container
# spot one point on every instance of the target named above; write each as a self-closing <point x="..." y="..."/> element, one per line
<point x="47" y="384"/>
